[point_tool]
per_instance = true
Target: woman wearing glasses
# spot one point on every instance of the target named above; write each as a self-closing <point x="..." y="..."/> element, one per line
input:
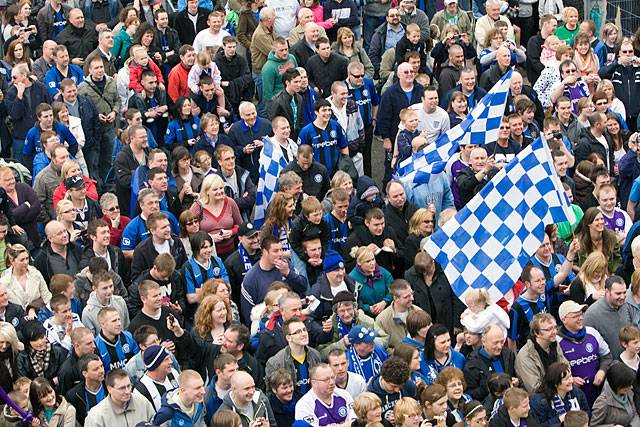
<point x="117" y="222"/>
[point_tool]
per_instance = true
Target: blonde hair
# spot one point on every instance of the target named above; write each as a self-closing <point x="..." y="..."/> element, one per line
<point x="62" y="205"/>
<point x="339" y="178"/>
<point x="361" y="253"/>
<point x="272" y="297"/>
<point x="203" y="319"/>
<point x="412" y="28"/>
<point x="479" y="296"/>
<point x="13" y="251"/>
<point x="204" y="59"/>
<point x="607" y="28"/>
<point x="567" y="10"/>
<point x="67" y="166"/>
<point x="417" y="218"/>
<point x="212" y="180"/>
<point x="210" y="287"/>
<point x="364" y="403"/>
<point x="595" y="262"/>
<point x="404" y="407"/>
<point x="8" y="333"/>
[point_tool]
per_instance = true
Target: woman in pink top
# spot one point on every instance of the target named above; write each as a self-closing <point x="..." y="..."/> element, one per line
<point x="219" y="215"/>
<point x="318" y="14"/>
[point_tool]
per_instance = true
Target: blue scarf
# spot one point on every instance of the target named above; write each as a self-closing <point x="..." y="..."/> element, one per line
<point x="574" y="337"/>
<point x="367" y="368"/>
<point x="245" y="258"/>
<point x="558" y="405"/>
<point x="496" y="362"/>
<point x="343" y="330"/>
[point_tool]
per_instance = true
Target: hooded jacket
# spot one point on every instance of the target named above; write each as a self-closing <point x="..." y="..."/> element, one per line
<point x="626" y="84"/>
<point x="84" y="287"/>
<point x="235" y="70"/>
<point x="261" y="408"/>
<point x="607" y="410"/>
<point x="174" y="413"/>
<point x="358" y="206"/>
<point x="90" y="312"/>
<point x="272" y="72"/>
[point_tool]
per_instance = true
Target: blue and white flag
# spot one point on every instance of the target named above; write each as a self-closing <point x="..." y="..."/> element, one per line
<point x="490" y="240"/>
<point x="272" y="161"/>
<point x="480" y="127"/>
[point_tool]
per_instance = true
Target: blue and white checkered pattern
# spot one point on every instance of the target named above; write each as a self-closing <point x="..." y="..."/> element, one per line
<point x="272" y="161"/>
<point x="480" y="127"/>
<point x="488" y="242"/>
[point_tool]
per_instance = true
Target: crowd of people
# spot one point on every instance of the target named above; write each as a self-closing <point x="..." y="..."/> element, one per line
<point x="138" y="289"/>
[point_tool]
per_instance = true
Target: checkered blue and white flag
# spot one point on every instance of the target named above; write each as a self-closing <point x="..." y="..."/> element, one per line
<point x="271" y="161"/>
<point x="480" y="127"/>
<point x="490" y="240"/>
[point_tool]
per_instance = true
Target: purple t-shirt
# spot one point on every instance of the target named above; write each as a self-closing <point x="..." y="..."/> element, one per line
<point x="615" y="223"/>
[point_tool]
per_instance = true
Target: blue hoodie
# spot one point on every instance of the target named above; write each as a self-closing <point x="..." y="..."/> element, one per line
<point x="173" y="414"/>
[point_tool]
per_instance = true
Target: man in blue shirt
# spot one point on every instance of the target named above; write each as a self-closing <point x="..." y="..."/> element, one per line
<point x="326" y="136"/>
<point x="61" y="71"/>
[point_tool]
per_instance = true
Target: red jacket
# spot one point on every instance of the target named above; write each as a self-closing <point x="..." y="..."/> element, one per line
<point x="61" y="191"/>
<point x="178" y="82"/>
<point x="135" y="74"/>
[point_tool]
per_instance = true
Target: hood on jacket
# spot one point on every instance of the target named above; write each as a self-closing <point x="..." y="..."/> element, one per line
<point x="364" y="183"/>
<point x="172" y="404"/>
<point x="272" y="57"/>
<point x="94" y="303"/>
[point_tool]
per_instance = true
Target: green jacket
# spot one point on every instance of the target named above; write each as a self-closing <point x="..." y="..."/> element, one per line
<point x="369" y="295"/>
<point x="121" y="44"/>
<point x="272" y="71"/>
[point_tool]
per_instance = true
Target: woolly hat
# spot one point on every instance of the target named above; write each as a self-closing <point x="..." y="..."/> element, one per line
<point x="153" y="356"/>
<point x="361" y="334"/>
<point x="343" y="296"/>
<point x="332" y="261"/>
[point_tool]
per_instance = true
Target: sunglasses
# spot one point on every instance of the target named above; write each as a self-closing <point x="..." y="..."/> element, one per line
<point x="193" y="222"/>
<point x="357" y="76"/>
<point x="114" y="209"/>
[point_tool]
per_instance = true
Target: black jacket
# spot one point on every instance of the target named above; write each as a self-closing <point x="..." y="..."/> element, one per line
<point x="284" y="414"/>
<point x="534" y="65"/>
<point x="23" y="111"/>
<point x="322" y="291"/>
<point x="173" y="43"/>
<point x="236" y="271"/>
<point x="323" y="74"/>
<point x="501" y="419"/>
<point x="626" y="84"/>
<point x="50" y="263"/>
<point x="178" y="293"/>
<point x="469" y="186"/>
<point x="184" y="26"/>
<point x="361" y="236"/>
<point x="116" y="256"/>
<point x="272" y="339"/>
<point x="478" y="369"/>
<point x="302" y="52"/>
<point x="75" y="396"/>
<point x="8" y="376"/>
<point x="236" y="71"/>
<point x="490" y="77"/>
<point x="588" y="145"/>
<point x="438" y="299"/>
<point x="124" y="165"/>
<point x="79" y="41"/>
<point x="280" y="105"/>
<point x="315" y="180"/>
<point x="145" y="254"/>
<point x="25" y="368"/>
<point x="69" y="375"/>
<point x="399" y="220"/>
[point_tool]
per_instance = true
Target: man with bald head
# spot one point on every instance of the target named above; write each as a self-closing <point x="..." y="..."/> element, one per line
<point x="45" y="62"/>
<point x="305" y="15"/>
<point x="497" y="70"/>
<point x="245" y="400"/>
<point x="480" y="171"/>
<point x="79" y="37"/>
<point x="492" y="357"/>
<point x="58" y="256"/>
<point x="450" y="71"/>
<point x="306" y="48"/>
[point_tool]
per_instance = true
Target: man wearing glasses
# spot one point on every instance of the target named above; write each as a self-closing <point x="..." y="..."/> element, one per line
<point x="297" y="357"/>
<point x="385" y="37"/>
<point x="626" y="85"/>
<point x="325" y="404"/>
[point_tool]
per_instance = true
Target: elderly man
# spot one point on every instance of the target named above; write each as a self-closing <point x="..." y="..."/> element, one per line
<point x="80" y="38"/>
<point x="610" y="313"/>
<point x="57" y="255"/>
<point x="530" y="365"/>
<point x="305" y="15"/>
<point x="306" y="47"/>
<point x="392" y="319"/>
<point x="48" y="180"/>
<point x="45" y="62"/>
<point x="487" y="22"/>
<point x="243" y="395"/>
<point x="261" y="43"/>
<point x="585" y="349"/>
<point x="246" y="137"/>
<point x="324" y="401"/>
<point x="491" y="358"/>
<point x="103" y="51"/>
<point x="480" y="171"/>
<point x="493" y="75"/>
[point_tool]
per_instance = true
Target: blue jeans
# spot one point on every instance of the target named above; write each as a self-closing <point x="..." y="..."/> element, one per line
<point x="108" y="135"/>
<point x="16" y="149"/>
<point x="262" y="107"/>
<point x="92" y="158"/>
<point x="369" y="24"/>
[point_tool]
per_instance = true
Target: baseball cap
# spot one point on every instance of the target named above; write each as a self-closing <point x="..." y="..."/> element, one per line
<point x="247" y="229"/>
<point x="74" y="182"/>
<point x="568" y="307"/>
<point x="447" y="2"/>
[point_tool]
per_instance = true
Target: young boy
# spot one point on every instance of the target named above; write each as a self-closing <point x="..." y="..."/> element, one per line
<point x="308" y="226"/>
<point x="22" y="384"/>
<point x="527" y="110"/>
<point x="10" y="417"/>
<point x="61" y="284"/>
<point x="63" y="321"/>
<point x="630" y="340"/>
<point x="102" y="296"/>
<point x="337" y="220"/>
<point x="576" y="419"/>
<point x="410" y="42"/>
<point x="140" y="63"/>
<point x="402" y="150"/>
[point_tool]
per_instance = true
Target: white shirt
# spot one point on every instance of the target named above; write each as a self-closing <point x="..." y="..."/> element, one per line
<point x="435" y="123"/>
<point x="312" y="410"/>
<point x="285" y="16"/>
<point x="206" y="38"/>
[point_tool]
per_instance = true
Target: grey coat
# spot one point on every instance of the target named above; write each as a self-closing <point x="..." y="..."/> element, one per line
<point x="283" y="359"/>
<point x="608" y="321"/>
<point x="260" y="409"/>
<point x="608" y="412"/>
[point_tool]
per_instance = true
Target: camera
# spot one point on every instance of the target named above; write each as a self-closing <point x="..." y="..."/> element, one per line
<point x="557" y="135"/>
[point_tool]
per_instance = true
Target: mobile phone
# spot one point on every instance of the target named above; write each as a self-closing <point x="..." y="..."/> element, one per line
<point x="172" y="319"/>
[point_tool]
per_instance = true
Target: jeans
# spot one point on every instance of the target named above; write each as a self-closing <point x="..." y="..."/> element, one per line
<point x="262" y="108"/>
<point x="108" y="135"/>
<point x="92" y="158"/>
<point x="369" y="24"/>
<point x="16" y="149"/>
